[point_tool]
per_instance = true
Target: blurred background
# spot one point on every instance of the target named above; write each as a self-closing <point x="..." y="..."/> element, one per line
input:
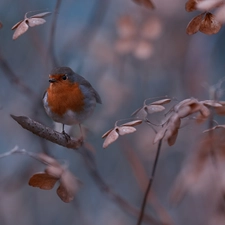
<point x="128" y="53"/>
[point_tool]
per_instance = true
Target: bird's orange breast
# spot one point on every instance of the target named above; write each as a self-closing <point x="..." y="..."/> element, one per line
<point x="64" y="96"/>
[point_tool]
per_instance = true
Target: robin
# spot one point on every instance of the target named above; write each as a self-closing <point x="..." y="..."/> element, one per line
<point x="70" y="99"/>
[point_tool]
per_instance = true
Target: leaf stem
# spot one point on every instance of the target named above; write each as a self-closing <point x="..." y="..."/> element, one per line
<point x="149" y="184"/>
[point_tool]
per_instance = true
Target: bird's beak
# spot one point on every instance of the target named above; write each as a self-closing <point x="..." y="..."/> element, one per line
<point x="52" y="80"/>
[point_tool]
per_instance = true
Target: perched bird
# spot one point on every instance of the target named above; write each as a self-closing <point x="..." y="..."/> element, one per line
<point x="70" y="99"/>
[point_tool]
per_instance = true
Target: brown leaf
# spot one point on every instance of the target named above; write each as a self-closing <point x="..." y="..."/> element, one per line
<point x="190" y="5"/>
<point x="147" y="3"/>
<point x="1" y="25"/>
<point x="194" y="24"/>
<point x="209" y="24"/>
<point x="126" y="130"/>
<point x="68" y="187"/>
<point x="111" y="137"/>
<point x="43" y="181"/>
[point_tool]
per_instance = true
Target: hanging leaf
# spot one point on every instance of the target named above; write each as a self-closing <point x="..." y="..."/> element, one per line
<point x="161" y="102"/>
<point x="111" y="137"/>
<point x="194" y="24"/>
<point x="23" y="25"/>
<point x="209" y="25"/>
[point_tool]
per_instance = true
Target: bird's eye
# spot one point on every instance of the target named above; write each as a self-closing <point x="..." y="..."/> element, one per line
<point x="64" y="77"/>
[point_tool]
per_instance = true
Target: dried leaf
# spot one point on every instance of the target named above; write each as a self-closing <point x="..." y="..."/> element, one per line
<point x="23" y="25"/>
<point x="1" y="25"/>
<point x="36" y="21"/>
<point x="21" y="29"/>
<point x="126" y="130"/>
<point x="147" y="3"/>
<point x="190" y="5"/>
<point x="194" y="24"/>
<point x="43" y="181"/>
<point x="106" y="133"/>
<point x="172" y="138"/>
<point x="133" y="123"/>
<point x="161" y="102"/>
<point x="211" y="103"/>
<point x="154" y="108"/>
<point x="209" y="24"/>
<point x="68" y="187"/>
<point x="111" y="137"/>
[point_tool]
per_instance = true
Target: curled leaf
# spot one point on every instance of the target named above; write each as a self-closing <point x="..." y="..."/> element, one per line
<point x="111" y="137"/>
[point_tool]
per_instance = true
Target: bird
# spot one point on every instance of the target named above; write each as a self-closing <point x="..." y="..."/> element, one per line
<point x="70" y="98"/>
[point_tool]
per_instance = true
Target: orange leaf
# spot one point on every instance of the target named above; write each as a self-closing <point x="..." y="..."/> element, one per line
<point x="43" y="181"/>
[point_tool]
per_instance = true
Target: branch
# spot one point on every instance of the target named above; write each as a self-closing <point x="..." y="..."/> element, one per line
<point x="47" y="133"/>
<point x="60" y="139"/>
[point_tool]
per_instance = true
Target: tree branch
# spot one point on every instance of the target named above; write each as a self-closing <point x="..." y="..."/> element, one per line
<point x="47" y="133"/>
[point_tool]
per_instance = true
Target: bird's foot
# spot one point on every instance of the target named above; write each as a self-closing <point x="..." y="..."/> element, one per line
<point x="67" y="136"/>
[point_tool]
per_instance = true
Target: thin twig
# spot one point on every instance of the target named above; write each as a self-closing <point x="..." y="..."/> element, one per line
<point x="149" y="184"/>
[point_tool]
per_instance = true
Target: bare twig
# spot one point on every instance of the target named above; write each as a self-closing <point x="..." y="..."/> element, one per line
<point x="149" y="184"/>
<point x="47" y="133"/>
